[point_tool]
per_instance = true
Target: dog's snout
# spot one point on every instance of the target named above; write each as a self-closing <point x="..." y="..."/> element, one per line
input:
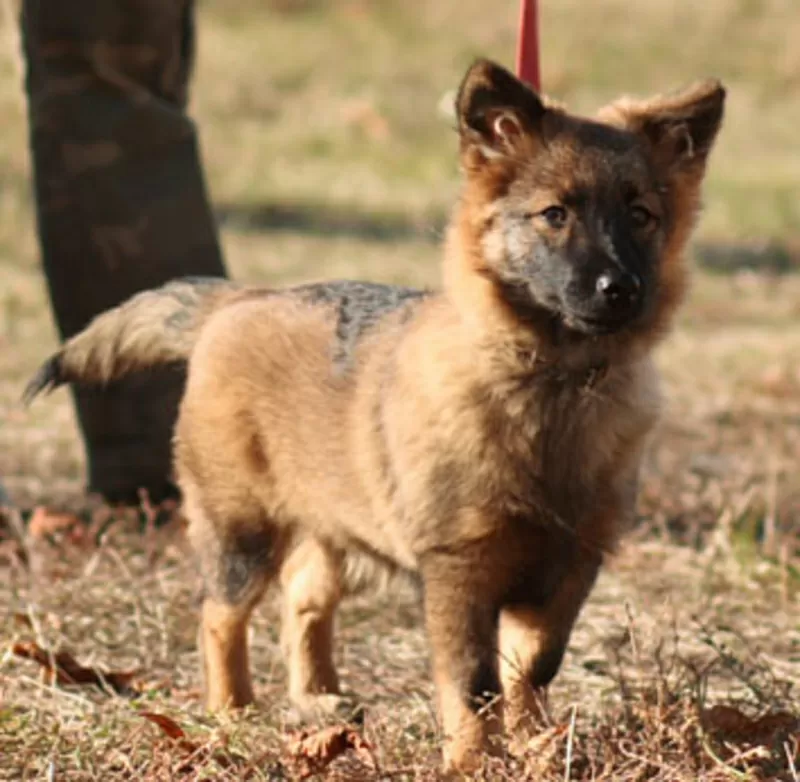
<point x="619" y="288"/>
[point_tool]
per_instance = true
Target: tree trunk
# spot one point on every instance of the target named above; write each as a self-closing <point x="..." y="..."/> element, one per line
<point x="121" y="200"/>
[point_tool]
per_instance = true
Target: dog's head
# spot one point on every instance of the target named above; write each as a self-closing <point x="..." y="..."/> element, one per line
<point x="578" y="225"/>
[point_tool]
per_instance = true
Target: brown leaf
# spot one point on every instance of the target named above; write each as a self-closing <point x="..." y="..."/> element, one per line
<point x="733" y="723"/>
<point x="195" y="752"/>
<point x="167" y="724"/>
<point x="44" y="523"/>
<point x="62" y="668"/>
<point x="313" y="752"/>
<point x="726" y="719"/>
<point x="779" y="722"/>
<point x="177" y="734"/>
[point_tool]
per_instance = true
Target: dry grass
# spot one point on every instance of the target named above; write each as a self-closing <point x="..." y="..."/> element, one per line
<point x="651" y="657"/>
<point x="326" y="157"/>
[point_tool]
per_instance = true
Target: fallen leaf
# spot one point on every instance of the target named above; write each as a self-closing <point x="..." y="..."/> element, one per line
<point x="167" y="724"/>
<point x="176" y="733"/>
<point x="44" y="523"/>
<point x="194" y="751"/>
<point x="62" y="668"/>
<point x="735" y="724"/>
<point x="777" y="722"/>
<point x="313" y="752"/>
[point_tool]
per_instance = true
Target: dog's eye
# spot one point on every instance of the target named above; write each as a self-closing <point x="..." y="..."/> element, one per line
<point x="641" y="217"/>
<point x="555" y="216"/>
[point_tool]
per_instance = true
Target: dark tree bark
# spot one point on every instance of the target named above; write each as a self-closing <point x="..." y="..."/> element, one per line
<point x="121" y="200"/>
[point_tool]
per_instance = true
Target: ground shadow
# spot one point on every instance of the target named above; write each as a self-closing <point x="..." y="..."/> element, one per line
<point x="772" y="257"/>
<point x="322" y="219"/>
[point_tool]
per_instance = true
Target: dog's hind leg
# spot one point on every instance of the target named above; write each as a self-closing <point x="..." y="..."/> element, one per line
<point x="311" y="581"/>
<point x="223" y="646"/>
<point x="238" y="559"/>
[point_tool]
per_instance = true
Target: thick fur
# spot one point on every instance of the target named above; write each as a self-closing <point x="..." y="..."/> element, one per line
<point x="484" y="439"/>
<point x="153" y="327"/>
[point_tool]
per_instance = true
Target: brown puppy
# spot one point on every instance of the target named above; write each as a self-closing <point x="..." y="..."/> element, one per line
<point x="485" y="439"/>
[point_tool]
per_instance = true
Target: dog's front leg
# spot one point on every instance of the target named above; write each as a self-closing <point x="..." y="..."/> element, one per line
<point x="461" y="621"/>
<point x="532" y="641"/>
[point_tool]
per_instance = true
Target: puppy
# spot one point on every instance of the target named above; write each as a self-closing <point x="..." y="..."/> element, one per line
<point x="484" y="438"/>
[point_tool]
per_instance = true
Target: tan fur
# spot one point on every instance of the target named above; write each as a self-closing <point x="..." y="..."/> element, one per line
<point x="462" y="448"/>
<point x="152" y="327"/>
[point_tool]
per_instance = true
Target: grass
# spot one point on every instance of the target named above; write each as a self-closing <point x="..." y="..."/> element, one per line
<point x="327" y="155"/>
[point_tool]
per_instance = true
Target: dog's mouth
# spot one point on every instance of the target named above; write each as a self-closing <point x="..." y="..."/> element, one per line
<point x="597" y="326"/>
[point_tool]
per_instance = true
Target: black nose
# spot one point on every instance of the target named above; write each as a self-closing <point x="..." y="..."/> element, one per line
<point x="619" y="288"/>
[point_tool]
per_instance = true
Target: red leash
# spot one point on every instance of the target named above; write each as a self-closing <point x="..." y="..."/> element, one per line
<point x="528" y="48"/>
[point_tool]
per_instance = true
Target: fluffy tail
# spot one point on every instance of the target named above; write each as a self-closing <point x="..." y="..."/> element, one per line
<point x="154" y="327"/>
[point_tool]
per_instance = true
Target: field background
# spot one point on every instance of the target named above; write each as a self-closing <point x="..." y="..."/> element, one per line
<point x="327" y="154"/>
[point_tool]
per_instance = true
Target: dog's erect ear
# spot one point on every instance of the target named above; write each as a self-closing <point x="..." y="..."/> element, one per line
<point x="681" y="127"/>
<point x="496" y="111"/>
